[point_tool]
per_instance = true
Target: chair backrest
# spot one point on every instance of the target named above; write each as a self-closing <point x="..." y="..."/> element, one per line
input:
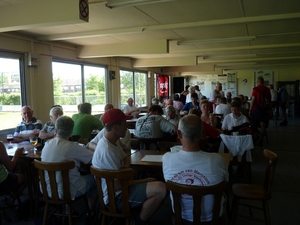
<point x="110" y="176"/>
<point x="197" y="192"/>
<point x="270" y="170"/>
<point x="146" y="143"/>
<point x="52" y="169"/>
<point x="167" y="145"/>
<point x="135" y="143"/>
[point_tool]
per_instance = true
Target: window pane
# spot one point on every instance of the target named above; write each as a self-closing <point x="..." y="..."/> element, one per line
<point x="94" y="78"/>
<point x="67" y="86"/>
<point x="126" y="86"/>
<point x="10" y="90"/>
<point x="140" y="89"/>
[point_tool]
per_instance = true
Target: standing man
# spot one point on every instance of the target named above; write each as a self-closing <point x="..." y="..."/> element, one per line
<point x="130" y="109"/>
<point x="282" y="101"/>
<point x="197" y="90"/>
<point x="260" y="107"/>
<point x="108" y="155"/>
<point x="30" y="126"/>
<point x="191" y="166"/>
<point x="217" y="92"/>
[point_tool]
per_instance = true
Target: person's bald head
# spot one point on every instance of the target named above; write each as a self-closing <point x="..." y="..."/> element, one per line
<point x="27" y="113"/>
<point x="169" y="102"/>
<point x="108" y="106"/>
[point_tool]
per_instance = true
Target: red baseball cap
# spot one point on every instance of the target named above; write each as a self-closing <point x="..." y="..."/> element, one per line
<point x="114" y="115"/>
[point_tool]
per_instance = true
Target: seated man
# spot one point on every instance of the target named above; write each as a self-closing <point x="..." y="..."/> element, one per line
<point x="191" y="166"/>
<point x="172" y="117"/>
<point x="223" y="107"/>
<point x="235" y="118"/>
<point x="153" y="125"/>
<point x="109" y="156"/>
<point x="60" y="149"/>
<point x="48" y="130"/>
<point x="29" y="127"/>
<point x="130" y="109"/>
<point x="84" y="122"/>
<point x="190" y="105"/>
<point x="124" y="142"/>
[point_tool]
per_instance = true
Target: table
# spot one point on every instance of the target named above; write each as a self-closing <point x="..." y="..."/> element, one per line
<point x="31" y="154"/>
<point x="237" y="145"/>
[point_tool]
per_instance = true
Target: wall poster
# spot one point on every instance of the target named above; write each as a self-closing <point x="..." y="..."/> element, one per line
<point x="268" y="76"/>
<point x="162" y="86"/>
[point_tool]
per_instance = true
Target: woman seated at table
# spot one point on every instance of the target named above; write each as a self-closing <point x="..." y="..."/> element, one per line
<point x="10" y="181"/>
<point x="206" y="116"/>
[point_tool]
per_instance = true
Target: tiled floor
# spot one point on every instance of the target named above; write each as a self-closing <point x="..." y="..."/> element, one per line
<point x="284" y="205"/>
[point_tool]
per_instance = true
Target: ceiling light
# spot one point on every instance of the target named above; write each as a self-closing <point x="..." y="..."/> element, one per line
<point x="217" y="40"/>
<point x="122" y="3"/>
<point x="236" y="64"/>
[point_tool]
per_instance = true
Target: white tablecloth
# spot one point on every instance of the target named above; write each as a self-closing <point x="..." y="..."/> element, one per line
<point x="237" y="145"/>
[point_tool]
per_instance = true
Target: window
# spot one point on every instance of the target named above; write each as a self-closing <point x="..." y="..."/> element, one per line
<point x="11" y="81"/>
<point x="77" y="83"/>
<point x="134" y="85"/>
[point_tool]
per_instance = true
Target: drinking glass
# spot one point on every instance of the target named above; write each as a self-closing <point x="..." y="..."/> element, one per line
<point x="33" y="141"/>
<point x="10" y="138"/>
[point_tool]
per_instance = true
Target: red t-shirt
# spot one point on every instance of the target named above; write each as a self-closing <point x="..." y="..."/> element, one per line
<point x="256" y="94"/>
<point x="209" y="131"/>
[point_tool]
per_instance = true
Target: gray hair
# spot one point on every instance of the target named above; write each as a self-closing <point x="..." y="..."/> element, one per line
<point x="170" y="108"/>
<point x="191" y="128"/>
<point x="56" y="109"/>
<point x="64" y="126"/>
<point x="154" y="101"/>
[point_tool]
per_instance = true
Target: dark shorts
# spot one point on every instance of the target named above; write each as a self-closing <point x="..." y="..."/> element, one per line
<point x="137" y="196"/>
<point x="259" y="116"/>
<point x="10" y="183"/>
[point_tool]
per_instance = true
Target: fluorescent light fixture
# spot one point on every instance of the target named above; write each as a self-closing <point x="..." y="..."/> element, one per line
<point x="236" y="64"/>
<point x="217" y="40"/>
<point x="122" y="3"/>
<point x="231" y="56"/>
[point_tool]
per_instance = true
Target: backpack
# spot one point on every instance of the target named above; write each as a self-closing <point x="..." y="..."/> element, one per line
<point x="262" y="103"/>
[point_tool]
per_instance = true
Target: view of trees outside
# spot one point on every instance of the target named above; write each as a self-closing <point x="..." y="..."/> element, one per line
<point x="133" y="84"/>
<point x="10" y="89"/>
<point x="67" y="86"/>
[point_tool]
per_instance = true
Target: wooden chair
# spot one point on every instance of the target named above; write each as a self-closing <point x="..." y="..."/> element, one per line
<point x="246" y="166"/>
<point x="135" y="143"/>
<point x="256" y="192"/>
<point x="110" y="176"/>
<point x="51" y="169"/>
<point x="197" y="192"/>
<point x="145" y="143"/>
<point x="166" y="145"/>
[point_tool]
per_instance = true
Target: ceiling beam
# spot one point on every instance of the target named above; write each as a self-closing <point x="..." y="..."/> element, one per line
<point x="35" y="14"/>
<point x="170" y="61"/>
<point x="101" y="33"/>
<point x="125" y="49"/>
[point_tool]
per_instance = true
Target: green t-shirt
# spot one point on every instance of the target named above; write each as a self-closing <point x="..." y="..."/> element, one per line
<point x="84" y="124"/>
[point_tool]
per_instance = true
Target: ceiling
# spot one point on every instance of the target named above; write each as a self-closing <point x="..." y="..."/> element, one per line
<point x="149" y="33"/>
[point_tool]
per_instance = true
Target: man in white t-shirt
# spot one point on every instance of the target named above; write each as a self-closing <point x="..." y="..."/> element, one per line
<point x="235" y="118"/>
<point x="147" y="193"/>
<point x="60" y="149"/>
<point x="130" y="109"/>
<point x="191" y="166"/>
<point x="223" y="107"/>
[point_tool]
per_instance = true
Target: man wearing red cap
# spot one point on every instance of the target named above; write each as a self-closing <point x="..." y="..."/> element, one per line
<point x="147" y="193"/>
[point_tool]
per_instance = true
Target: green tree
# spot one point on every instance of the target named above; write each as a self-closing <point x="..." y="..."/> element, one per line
<point x="57" y="86"/>
<point x="3" y="79"/>
<point x="96" y="83"/>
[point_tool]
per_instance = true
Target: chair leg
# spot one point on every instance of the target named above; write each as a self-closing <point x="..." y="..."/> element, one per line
<point x="266" y="212"/>
<point x="234" y="209"/>
<point x="103" y="219"/>
<point x="45" y="214"/>
<point x="70" y="214"/>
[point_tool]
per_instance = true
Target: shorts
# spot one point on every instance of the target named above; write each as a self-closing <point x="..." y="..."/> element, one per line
<point x="259" y="116"/>
<point x="10" y="183"/>
<point x="137" y="196"/>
